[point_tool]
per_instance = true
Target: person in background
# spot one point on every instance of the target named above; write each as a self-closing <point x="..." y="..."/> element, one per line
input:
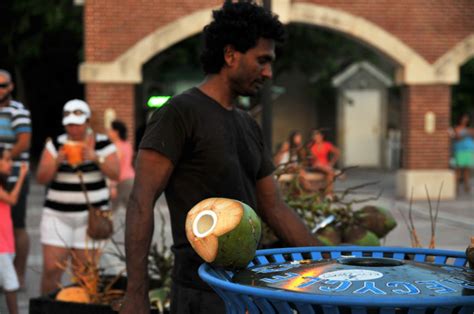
<point x="8" y="276"/>
<point x="324" y="157"/>
<point x="282" y="156"/>
<point x="297" y="149"/>
<point x="15" y="135"/>
<point x="120" y="190"/>
<point x="65" y="214"/>
<point x="297" y="158"/>
<point x="463" y="147"/>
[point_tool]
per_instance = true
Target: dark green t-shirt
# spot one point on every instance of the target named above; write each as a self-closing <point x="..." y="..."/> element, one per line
<point x="216" y="153"/>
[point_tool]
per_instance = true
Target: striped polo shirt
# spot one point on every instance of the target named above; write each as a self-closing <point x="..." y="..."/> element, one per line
<point x="14" y="119"/>
<point x="65" y="193"/>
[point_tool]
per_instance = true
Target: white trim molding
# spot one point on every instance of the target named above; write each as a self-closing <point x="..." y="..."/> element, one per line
<point x="447" y="66"/>
<point x="127" y="68"/>
<point x="365" y="66"/>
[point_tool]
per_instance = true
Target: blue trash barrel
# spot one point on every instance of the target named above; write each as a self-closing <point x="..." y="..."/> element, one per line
<point x="347" y="280"/>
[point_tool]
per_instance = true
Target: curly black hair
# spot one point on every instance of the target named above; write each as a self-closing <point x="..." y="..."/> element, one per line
<point x="461" y="116"/>
<point x="241" y="25"/>
<point x="121" y="129"/>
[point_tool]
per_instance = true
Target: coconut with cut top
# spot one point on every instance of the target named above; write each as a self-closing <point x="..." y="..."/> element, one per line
<point x="224" y="232"/>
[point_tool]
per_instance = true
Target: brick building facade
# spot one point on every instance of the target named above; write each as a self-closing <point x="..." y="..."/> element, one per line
<point x="428" y="40"/>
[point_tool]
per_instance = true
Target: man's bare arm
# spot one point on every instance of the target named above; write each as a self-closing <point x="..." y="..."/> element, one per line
<point x="152" y="173"/>
<point x="23" y="141"/>
<point x="283" y="220"/>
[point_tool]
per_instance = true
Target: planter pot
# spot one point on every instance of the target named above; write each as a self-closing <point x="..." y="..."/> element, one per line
<point x="48" y="304"/>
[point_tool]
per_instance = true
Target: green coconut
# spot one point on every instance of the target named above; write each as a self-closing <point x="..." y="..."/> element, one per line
<point x="359" y="235"/>
<point x="224" y="232"/>
<point x="329" y="236"/>
<point x="377" y="219"/>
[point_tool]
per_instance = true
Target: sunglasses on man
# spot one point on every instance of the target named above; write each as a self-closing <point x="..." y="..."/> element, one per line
<point x="4" y="85"/>
<point x="75" y="112"/>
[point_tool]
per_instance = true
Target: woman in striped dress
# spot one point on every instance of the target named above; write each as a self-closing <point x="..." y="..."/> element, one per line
<point x="65" y="213"/>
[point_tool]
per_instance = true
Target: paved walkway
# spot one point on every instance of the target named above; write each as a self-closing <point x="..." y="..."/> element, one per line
<point x="455" y="224"/>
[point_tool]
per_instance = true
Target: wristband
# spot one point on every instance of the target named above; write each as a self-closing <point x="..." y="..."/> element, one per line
<point x="100" y="160"/>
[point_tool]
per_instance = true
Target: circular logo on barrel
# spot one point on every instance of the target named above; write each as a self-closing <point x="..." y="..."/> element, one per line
<point x="351" y="275"/>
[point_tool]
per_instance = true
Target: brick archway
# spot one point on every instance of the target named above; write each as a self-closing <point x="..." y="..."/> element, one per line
<point x="428" y="40"/>
<point x="126" y="68"/>
<point x="448" y="64"/>
<point x="412" y="66"/>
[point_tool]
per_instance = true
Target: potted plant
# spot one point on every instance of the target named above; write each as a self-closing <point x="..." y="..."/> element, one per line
<point x="93" y="291"/>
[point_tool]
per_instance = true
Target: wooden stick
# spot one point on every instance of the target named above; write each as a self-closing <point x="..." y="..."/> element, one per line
<point x="412" y="224"/>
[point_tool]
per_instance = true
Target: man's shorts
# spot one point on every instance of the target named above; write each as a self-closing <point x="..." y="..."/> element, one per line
<point x="66" y="229"/>
<point x="464" y="158"/>
<point x="19" y="210"/>
<point x="8" y="277"/>
<point x="186" y="300"/>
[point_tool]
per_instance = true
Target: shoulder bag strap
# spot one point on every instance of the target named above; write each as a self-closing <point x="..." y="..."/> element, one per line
<point x="83" y="186"/>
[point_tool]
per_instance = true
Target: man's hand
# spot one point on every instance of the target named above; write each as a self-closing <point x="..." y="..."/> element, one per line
<point x="113" y="192"/>
<point x="88" y="153"/>
<point x="61" y="156"/>
<point x="22" y="144"/>
<point x="23" y="169"/>
<point x="135" y="304"/>
<point x="286" y="223"/>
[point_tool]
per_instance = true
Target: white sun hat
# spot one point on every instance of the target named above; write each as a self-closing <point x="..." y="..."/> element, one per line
<point x="77" y="110"/>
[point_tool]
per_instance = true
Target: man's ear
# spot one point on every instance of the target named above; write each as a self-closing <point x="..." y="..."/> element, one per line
<point x="229" y="55"/>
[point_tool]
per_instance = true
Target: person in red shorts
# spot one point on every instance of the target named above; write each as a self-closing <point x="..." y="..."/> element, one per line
<point x="324" y="157"/>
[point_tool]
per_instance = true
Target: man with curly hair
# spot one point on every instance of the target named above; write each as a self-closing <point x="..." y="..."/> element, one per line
<point x="199" y="146"/>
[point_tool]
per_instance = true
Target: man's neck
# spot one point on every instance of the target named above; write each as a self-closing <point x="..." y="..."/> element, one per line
<point x="217" y="87"/>
<point x="5" y="102"/>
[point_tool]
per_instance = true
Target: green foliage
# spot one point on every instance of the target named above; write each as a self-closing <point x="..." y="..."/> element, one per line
<point x="180" y="58"/>
<point x="316" y="50"/>
<point x="320" y="54"/>
<point x="26" y="24"/>
<point x="41" y="45"/>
